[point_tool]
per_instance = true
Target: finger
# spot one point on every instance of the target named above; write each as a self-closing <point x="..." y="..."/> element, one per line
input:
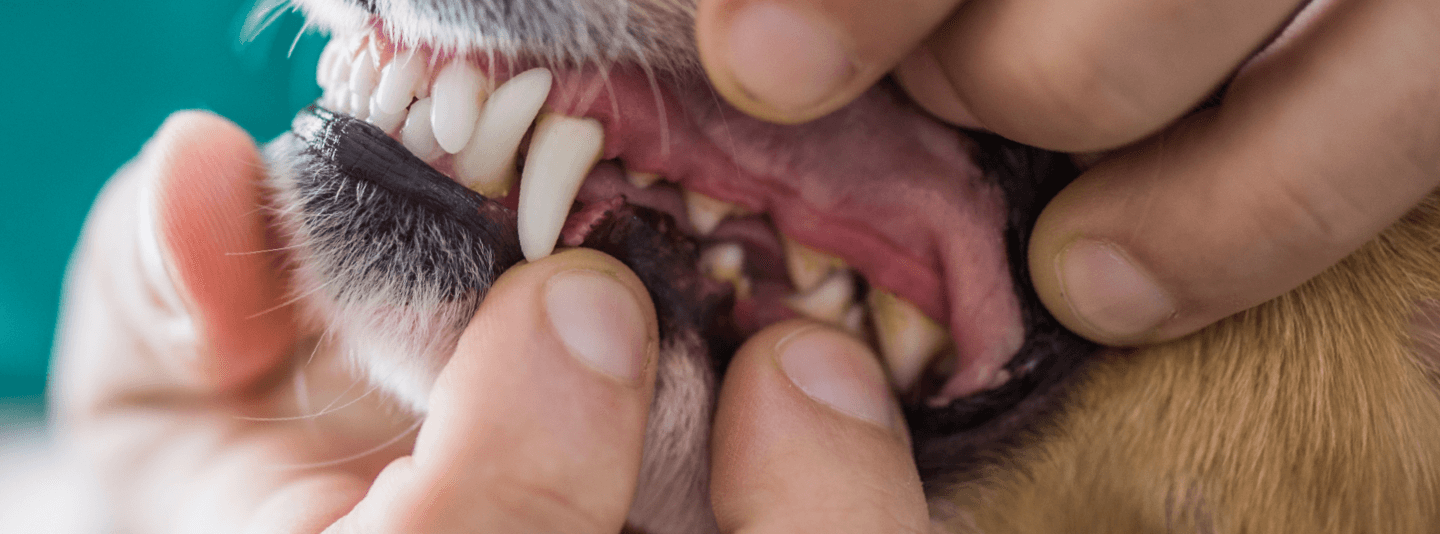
<point x="808" y="439"/>
<point x="167" y="288"/>
<point x="791" y="61"/>
<point x="1316" y="148"/>
<point x="1083" y="76"/>
<point x="537" y="422"/>
<point x="213" y="234"/>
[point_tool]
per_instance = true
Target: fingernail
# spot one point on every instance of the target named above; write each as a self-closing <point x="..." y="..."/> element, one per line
<point x="837" y="371"/>
<point x="599" y="321"/>
<point x="784" y="58"/>
<point x="1108" y="292"/>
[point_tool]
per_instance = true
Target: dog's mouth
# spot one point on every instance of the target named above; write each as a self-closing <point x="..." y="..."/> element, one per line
<point x="876" y="219"/>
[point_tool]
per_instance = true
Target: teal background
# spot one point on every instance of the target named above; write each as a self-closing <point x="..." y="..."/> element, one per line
<point x="87" y="84"/>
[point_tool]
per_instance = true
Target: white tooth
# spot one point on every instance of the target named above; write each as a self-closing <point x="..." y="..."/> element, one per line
<point x="487" y="163"/>
<point x="417" y="136"/>
<point x="908" y="339"/>
<point x="807" y="266"/>
<point x="706" y="212"/>
<point x="642" y="180"/>
<point x="387" y="122"/>
<point x="562" y="151"/>
<point x="724" y="262"/>
<point x="340" y="68"/>
<point x="829" y="301"/>
<point x="363" y="76"/>
<point x="327" y="61"/>
<point x="397" y="82"/>
<point x="457" y="96"/>
<point x="359" y="106"/>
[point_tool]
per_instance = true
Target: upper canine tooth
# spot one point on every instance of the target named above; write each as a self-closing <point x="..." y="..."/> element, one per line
<point x="457" y="96"/>
<point x="829" y="301"/>
<point x="487" y="163"/>
<point x="807" y="266"/>
<point x="397" y="82"/>
<point x="562" y="151"/>
<point x="417" y="136"/>
<point x="642" y="180"/>
<point x="706" y="212"/>
<point x="908" y="339"/>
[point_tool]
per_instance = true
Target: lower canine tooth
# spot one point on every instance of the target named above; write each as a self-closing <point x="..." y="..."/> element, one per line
<point x="456" y="96"/>
<point x="724" y="262"/>
<point x="487" y="163"/>
<point x="828" y="301"/>
<point x="562" y="151"/>
<point x="706" y="213"/>
<point x="908" y="339"/>
<point x="417" y="136"/>
<point x="807" y="266"/>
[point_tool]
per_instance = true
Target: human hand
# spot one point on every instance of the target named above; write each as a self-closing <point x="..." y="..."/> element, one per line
<point x="182" y="378"/>
<point x="1320" y="142"/>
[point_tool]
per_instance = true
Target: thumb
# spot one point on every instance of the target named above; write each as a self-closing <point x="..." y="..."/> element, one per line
<point x="791" y="61"/>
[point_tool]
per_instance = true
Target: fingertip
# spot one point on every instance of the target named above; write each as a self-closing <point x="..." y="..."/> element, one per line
<point x="806" y="425"/>
<point x="924" y="79"/>
<point x="213" y="240"/>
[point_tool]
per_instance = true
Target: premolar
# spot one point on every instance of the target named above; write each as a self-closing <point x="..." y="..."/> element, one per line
<point x="487" y="163"/>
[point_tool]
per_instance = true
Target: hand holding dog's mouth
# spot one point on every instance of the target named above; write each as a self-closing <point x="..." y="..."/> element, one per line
<point x="206" y="420"/>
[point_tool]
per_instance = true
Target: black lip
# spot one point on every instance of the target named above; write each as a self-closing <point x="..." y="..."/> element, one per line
<point x="949" y="441"/>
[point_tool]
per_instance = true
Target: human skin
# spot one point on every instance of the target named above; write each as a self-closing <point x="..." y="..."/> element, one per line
<point x="178" y="374"/>
<point x="1326" y="136"/>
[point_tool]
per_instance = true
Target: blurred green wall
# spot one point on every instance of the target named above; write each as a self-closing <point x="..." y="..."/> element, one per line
<point x="87" y="83"/>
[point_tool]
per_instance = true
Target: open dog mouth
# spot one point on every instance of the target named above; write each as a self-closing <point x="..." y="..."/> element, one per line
<point x="876" y="219"/>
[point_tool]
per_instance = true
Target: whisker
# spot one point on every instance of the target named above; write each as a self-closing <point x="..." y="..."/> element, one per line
<point x="355" y="456"/>
<point x="660" y="109"/>
<point x="292" y="300"/>
<point x="264" y="251"/>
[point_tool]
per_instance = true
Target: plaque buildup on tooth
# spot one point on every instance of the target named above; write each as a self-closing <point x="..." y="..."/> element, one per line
<point x="828" y="301"/>
<point x="487" y="163"/>
<point x="808" y="267"/>
<point x="642" y="180"/>
<point x="725" y="262"/>
<point x="456" y="97"/>
<point x="907" y="338"/>
<point x="562" y="152"/>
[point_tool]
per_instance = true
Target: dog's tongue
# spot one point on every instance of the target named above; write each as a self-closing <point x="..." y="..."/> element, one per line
<point x="883" y="186"/>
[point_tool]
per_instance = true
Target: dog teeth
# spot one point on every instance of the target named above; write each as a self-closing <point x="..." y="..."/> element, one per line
<point x="397" y="83"/>
<point x="363" y="78"/>
<point x="487" y="163"/>
<point x="417" y="135"/>
<point x="908" y="339"/>
<point x="456" y="95"/>
<point x="725" y="262"/>
<point x="808" y="267"/>
<point x="562" y="151"/>
<point x="387" y="122"/>
<point x="642" y="180"/>
<point x="828" y="301"/>
<point x="706" y="212"/>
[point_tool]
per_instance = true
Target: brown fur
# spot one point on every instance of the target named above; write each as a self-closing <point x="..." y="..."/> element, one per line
<point x="1317" y="411"/>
